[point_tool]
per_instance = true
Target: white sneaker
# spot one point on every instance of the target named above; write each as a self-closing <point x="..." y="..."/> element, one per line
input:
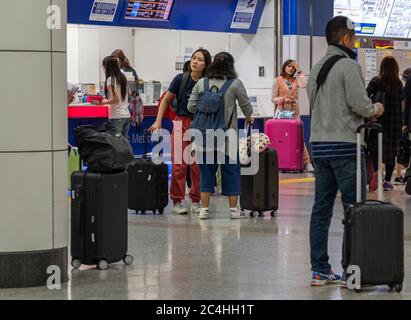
<point x="239" y="214"/>
<point x="203" y="215"/>
<point x="309" y="168"/>
<point x="195" y="208"/>
<point x="179" y="209"/>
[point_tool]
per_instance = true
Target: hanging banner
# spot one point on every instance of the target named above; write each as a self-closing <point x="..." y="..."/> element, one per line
<point x="104" y="10"/>
<point x="244" y="14"/>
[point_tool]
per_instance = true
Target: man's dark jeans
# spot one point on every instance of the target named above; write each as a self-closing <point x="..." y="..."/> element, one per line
<point x="330" y="176"/>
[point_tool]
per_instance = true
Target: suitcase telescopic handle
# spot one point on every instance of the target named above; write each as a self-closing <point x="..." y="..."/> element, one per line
<point x="370" y="126"/>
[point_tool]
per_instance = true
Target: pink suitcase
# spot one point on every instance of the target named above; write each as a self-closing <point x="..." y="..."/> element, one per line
<point x="287" y="138"/>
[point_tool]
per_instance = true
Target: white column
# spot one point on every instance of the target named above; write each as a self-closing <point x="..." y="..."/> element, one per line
<point x="33" y="141"/>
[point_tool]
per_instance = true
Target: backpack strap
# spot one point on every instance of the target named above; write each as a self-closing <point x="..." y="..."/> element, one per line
<point x="326" y="69"/>
<point x="226" y="86"/>
<point x="206" y="84"/>
<point x="184" y="81"/>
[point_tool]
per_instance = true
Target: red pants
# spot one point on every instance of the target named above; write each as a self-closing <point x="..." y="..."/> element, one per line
<point x="180" y="163"/>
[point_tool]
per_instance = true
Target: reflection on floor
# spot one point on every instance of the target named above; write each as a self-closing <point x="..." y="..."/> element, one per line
<point x="179" y="257"/>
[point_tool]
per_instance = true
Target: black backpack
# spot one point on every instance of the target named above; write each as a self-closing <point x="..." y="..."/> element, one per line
<point x="103" y="151"/>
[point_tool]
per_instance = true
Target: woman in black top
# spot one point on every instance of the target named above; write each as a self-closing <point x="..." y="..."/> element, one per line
<point x="181" y="88"/>
<point x="387" y="88"/>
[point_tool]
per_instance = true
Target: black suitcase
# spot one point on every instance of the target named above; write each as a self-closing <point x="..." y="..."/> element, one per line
<point x="99" y="219"/>
<point x="374" y="235"/>
<point x="147" y="186"/>
<point x="260" y="192"/>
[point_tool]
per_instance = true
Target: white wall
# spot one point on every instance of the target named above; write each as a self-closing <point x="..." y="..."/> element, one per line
<point x="88" y="45"/>
<point x="298" y="48"/>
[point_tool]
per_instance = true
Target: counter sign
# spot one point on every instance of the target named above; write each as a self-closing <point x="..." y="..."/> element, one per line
<point x="104" y="10"/>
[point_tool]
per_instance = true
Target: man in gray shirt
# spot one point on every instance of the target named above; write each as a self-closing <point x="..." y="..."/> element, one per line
<point x="339" y="104"/>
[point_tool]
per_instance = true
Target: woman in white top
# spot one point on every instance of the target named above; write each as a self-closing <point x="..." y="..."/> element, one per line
<point x="116" y="91"/>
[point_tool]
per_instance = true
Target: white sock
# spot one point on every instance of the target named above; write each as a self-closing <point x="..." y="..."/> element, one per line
<point x="205" y="209"/>
<point x="233" y="209"/>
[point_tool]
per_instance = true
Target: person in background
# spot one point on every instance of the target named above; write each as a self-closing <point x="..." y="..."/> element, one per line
<point x="116" y="91"/>
<point x="285" y="96"/>
<point x="221" y="70"/>
<point x="125" y="65"/>
<point x="399" y="179"/>
<point x="338" y="109"/>
<point x="200" y="60"/>
<point x="71" y="93"/>
<point x="387" y="88"/>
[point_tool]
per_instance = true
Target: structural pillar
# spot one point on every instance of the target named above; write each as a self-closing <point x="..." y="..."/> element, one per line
<point x="34" y="212"/>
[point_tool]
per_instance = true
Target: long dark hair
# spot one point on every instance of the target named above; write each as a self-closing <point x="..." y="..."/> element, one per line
<point x="112" y="70"/>
<point x="285" y="65"/>
<point x="389" y="74"/>
<point x="207" y="59"/>
<point x="123" y="60"/>
<point x="222" y="67"/>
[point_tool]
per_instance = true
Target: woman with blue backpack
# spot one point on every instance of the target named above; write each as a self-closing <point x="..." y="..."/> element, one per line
<point x="213" y="101"/>
<point x="177" y="95"/>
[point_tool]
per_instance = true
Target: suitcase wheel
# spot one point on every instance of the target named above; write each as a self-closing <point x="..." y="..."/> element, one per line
<point x="76" y="263"/>
<point x="260" y="214"/>
<point x="273" y="214"/>
<point x="397" y="287"/>
<point x="252" y="213"/>
<point x="161" y="211"/>
<point x="154" y="211"/>
<point x="102" y="265"/>
<point x="128" y="259"/>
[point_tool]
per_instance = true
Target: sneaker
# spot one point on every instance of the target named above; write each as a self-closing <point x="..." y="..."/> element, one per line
<point x="195" y="208"/>
<point x="320" y="279"/>
<point x="374" y="182"/>
<point x="388" y="186"/>
<point x="203" y="215"/>
<point x="179" y="209"/>
<point x="239" y="214"/>
<point x="399" y="181"/>
<point x="309" y="168"/>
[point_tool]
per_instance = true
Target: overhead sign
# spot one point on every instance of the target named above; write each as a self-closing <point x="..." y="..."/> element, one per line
<point x="244" y="14"/>
<point x="148" y="9"/>
<point x="103" y="10"/>
<point x="378" y="18"/>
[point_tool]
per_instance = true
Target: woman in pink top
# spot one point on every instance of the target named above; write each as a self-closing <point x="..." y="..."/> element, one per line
<point x="285" y="95"/>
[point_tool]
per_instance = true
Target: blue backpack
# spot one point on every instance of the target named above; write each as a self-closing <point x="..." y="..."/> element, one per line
<point x="210" y="108"/>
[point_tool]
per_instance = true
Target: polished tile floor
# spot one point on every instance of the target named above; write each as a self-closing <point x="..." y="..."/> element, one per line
<point x="179" y="257"/>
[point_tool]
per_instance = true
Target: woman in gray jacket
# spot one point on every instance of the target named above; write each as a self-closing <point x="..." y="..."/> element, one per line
<point x="222" y="70"/>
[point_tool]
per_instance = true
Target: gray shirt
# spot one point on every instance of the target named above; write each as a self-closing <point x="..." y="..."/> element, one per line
<point x="236" y="92"/>
<point x="342" y="102"/>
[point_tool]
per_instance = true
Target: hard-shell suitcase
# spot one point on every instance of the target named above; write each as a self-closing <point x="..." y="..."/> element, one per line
<point x="260" y="193"/>
<point x="374" y="234"/>
<point x="99" y="219"/>
<point x="147" y="186"/>
<point x="287" y="138"/>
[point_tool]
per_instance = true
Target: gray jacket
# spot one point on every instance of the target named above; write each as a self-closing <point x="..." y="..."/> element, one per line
<point x="341" y="103"/>
<point x="236" y="92"/>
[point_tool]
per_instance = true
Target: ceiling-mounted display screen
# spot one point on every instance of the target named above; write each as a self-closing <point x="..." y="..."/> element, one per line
<point x="148" y="9"/>
<point x="377" y="18"/>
